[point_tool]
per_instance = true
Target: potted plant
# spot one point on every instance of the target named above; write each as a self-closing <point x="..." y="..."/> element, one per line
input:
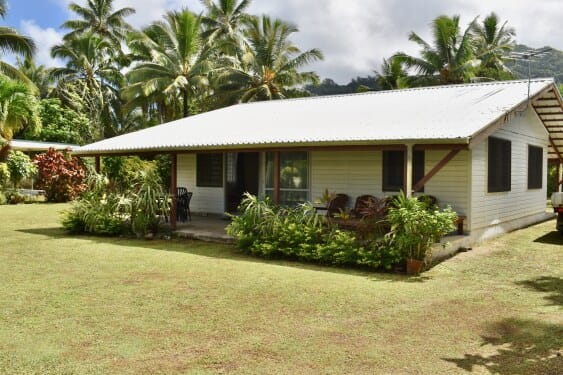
<point x="415" y="228"/>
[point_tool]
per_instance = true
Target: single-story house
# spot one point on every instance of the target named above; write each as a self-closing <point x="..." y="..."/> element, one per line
<point x="482" y="148"/>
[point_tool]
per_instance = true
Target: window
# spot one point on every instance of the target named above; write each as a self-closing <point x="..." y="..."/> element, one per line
<point x="294" y="177"/>
<point x="209" y="170"/>
<point x="394" y="169"/>
<point x="535" y="167"/>
<point x="499" y="165"/>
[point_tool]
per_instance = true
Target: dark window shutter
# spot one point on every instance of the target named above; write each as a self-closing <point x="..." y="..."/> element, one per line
<point x="499" y="174"/>
<point x="535" y="167"/>
<point x="393" y="170"/>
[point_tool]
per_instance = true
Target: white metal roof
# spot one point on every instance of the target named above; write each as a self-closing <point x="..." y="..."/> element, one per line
<point x="447" y="114"/>
<point x="25" y="145"/>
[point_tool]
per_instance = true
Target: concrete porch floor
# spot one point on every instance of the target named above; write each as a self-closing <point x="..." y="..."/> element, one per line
<point x="205" y="228"/>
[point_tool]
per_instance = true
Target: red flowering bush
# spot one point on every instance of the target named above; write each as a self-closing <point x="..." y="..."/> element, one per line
<point x="60" y="175"/>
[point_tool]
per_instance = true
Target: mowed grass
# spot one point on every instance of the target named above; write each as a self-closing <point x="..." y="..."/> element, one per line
<point x="96" y="305"/>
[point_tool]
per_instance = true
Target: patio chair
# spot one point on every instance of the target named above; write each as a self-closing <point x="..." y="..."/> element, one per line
<point x="183" y="205"/>
<point x="362" y="205"/>
<point x="337" y="205"/>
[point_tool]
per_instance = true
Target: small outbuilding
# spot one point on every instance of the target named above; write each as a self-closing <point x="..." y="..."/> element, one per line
<point x="482" y="148"/>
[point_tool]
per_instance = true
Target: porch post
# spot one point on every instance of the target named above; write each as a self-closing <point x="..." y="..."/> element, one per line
<point x="408" y="171"/>
<point x="560" y="175"/>
<point x="173" y="185"/>
<point x="277" y="177"/>
<point x="97" y="163"/>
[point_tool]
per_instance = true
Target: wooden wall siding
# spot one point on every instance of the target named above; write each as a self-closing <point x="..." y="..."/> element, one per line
<point x="494" y="208"/>
<point x="204" y="200"/>
<point x="357" y="173"/>
<point x="451" y="184"/>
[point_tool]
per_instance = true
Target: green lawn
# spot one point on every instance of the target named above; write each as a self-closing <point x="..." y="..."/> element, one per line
<point x="96" y="305"/>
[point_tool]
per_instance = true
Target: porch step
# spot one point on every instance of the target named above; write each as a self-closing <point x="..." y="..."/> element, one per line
<point x="202" y="235"/>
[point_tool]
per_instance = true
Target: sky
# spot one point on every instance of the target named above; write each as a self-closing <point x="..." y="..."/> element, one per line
<point x="354" y="35"/>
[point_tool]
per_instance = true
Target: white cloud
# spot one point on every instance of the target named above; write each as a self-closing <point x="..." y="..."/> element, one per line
<point x="44" y="39"/>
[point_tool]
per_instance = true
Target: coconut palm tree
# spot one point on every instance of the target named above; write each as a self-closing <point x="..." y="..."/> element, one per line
<point x="270" y="65"/>
<point x="91" y="79"/>
<point x="19" y="109"/>
<point x="393" y="74"/>
<point x="38" y="75"/>
<point x="12" y="41"/>
<point x="493" y="42"/>
<point x="173" y="62"/>
<point x="224" y="18"/>
<point x="449" y="59"/>
<point x="99" y="18"/>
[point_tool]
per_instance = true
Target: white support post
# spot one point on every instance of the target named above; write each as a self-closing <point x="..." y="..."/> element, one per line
<point x="408" y="171"/>
<point x="560" y="177"/>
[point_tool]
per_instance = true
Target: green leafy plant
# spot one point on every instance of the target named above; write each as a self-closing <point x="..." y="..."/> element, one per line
<point x="60" y="175"/>
<point x="4" y="175"/>
<point x="415" y="227"/>
<point x="20" y="167"/>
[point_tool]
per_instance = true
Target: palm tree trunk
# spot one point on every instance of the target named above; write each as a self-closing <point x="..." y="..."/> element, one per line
<point x="186" y="110"/>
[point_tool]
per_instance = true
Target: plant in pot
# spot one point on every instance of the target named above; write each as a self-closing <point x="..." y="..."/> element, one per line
<point x="415" y="228"/>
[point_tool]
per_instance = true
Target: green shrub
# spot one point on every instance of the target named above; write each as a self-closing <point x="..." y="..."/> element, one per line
<point x="415" y="227"/>
<point x="103" y="210"/>
<point x="20" y="167"/>
<point x="4" y="175"/>
<point x="60" y="175"/>
<point x="266" y="230"/>
<point x="3" y="199"/>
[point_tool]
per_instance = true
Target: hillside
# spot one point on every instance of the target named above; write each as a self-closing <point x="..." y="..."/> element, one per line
<point x="549" y="65"/>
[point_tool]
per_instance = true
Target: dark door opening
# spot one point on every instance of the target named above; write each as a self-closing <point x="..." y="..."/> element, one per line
<point x="241" y="177"/>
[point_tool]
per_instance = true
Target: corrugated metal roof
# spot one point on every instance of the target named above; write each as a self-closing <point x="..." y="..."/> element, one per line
<point x="449" y="114"/>
<point x="25" y="145"/>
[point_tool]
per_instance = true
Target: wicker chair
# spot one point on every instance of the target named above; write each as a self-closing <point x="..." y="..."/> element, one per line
<point x="337" y="205"/>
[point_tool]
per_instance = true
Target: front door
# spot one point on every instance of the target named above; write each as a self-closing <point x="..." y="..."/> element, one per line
<point x="241" y="176"/>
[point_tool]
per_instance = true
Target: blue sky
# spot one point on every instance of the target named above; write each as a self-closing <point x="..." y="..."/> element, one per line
<point x="355" y="35"/>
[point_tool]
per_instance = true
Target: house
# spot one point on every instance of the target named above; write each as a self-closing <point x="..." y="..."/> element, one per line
<point x="481" y="148"/>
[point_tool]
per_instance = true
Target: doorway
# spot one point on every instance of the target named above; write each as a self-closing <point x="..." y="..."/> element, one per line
<point x="242" y="174"/>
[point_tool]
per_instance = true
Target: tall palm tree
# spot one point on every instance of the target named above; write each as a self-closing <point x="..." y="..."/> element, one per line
<point x="38" y="75"/>
<point x="270" y="65"/>
<point x="12" y="41"/>
<point x="224" y="18"/>
<point x="19" y="109"/>
<point x="98" y="17"/>
<point x="449" y="59"/>
<point x="173" y="62"/>
<point x="92" y="78"/>
<point x="393" y="74"/>
<point x="493" y="42"/>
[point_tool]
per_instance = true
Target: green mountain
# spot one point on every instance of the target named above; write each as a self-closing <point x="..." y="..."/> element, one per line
<point x="548" y="65"/>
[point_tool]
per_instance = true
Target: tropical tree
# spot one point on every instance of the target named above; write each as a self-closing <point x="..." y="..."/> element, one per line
<point x="19" y="109"/>
<point x="270" y="65"/>
<point x="173" y="63"/>
<point x="91" y="79"/>
<point x="449" y="59"/>
<point x="224" y="19"/>
<point x="38" y="76"/>
<point x="393" y="74"/>
<point x="12" y="41"/>
<point x="493" y="42"/>
<point x="99" y="18"/>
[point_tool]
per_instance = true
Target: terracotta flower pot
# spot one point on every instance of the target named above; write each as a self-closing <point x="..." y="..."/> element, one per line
<point x="414" y="266"/>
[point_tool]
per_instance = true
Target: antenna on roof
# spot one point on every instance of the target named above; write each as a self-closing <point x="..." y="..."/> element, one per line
<point x="529" y="55"/>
